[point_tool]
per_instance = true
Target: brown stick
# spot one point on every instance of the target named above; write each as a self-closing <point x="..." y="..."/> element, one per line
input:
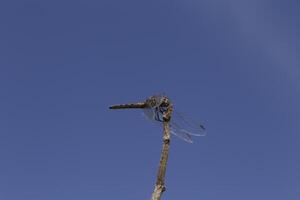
<point x="160" y="181"/>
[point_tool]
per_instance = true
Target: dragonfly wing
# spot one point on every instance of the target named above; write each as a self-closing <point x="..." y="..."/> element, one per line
<point x="154" y="113"/>
<point x="181" y="133"/>
<point x="187" y="124"/>
<point x="180" y="125"/>
<point x="149" y="113"/>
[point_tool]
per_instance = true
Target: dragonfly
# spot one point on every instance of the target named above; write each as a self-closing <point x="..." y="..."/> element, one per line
<point x="181" y="125"/>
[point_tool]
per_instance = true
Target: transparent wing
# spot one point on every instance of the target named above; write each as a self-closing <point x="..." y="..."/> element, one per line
<point x="186" y="124"/>
<point x="149" y="113"/>
<point x="180" y="125"/>
<point x="181" y="133"/>
<point x="153" y="114"/>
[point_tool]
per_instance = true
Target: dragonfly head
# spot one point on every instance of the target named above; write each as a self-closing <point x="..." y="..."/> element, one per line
<point x="159" y="104"/>
<point x="156" y="101"/>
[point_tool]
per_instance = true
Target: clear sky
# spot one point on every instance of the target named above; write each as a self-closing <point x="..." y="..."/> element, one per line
<point x="232" y="64"/>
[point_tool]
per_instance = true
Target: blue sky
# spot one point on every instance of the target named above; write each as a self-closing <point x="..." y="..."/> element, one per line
<point x="234" y="65"/>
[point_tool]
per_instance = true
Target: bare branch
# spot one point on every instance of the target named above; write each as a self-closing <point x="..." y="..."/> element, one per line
<point x="160" y="181"/>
